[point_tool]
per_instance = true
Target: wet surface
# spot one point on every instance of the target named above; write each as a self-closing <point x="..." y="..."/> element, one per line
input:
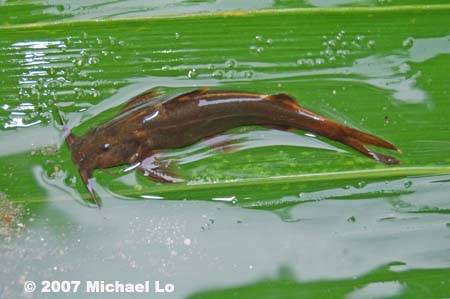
<point x="275" y="202"/>
<point x="324" y="239"/>
<point x="60" y="10"/>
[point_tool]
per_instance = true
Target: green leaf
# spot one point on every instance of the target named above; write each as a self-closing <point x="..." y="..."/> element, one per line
<point x="340" y="218"/>
<point x="377" y="69"/>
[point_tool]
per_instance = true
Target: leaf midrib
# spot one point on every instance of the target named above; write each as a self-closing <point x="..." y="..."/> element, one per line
<point x="241" y="13"/>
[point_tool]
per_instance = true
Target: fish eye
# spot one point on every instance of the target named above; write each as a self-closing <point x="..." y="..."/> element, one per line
<point x="104" y="147"/>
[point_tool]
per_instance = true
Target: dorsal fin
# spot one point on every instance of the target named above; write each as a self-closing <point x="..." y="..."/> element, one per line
<point x="284" y="99"/>
<point x="139" y="99"/>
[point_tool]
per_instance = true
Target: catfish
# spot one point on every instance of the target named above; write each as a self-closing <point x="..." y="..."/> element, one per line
<point x="150" y="123"/>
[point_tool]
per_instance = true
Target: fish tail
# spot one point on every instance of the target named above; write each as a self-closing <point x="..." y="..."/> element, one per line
<point x="346" y="135"/>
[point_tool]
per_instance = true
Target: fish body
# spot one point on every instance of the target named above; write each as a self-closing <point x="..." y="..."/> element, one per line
<point x="149" y="123"/>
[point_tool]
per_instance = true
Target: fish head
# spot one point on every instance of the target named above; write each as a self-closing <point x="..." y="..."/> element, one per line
<point x="99" y="151"/>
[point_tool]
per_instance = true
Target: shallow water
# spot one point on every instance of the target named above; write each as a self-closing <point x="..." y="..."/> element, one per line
<point x="229" y="246"/>
<point x="286" y="211"/>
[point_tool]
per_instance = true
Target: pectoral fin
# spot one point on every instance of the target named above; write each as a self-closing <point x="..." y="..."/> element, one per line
<point x="153" y="168"/>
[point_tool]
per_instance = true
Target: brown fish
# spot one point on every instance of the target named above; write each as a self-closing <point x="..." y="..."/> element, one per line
<point x="149" y="123"/>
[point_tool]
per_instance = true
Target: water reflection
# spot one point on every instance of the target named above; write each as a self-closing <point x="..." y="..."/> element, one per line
<point x="244" y="141"/>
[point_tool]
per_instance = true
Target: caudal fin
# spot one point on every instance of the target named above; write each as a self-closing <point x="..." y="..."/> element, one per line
<point x="349" y="136"/>
<point x="358" y="141"/>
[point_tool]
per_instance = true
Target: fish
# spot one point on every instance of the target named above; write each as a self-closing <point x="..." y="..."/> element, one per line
<point x="150" y="122"/>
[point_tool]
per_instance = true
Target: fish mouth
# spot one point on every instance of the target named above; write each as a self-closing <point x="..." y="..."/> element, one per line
<point x="85" y="170"/>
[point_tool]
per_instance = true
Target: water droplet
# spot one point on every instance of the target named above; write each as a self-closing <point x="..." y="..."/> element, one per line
<point x="351" y="219"/>
<point x="370" y="44"/>
<point x="94" y="92"/>
<point x="355" y="44"/>
<point x="112" y="40"/>
<point x="386" y="120"/>
<point x="408" y="43"/>
<point x="187" y="242"/>
<point x="248" y="74"/>
<point x="269" y="41"/>
<point x="177" y="35"/>
<point x="93" y="60"/>
<point x="334" y="92"/>
<point x="78" y="61"/>
<point x="218" y="74"/>
<point x="192" y="74"/>
<point x="407" y="184"/>
<point x="320" y="61"/>
<point x="231" y="63"/>
<point x="259" y="38"/>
